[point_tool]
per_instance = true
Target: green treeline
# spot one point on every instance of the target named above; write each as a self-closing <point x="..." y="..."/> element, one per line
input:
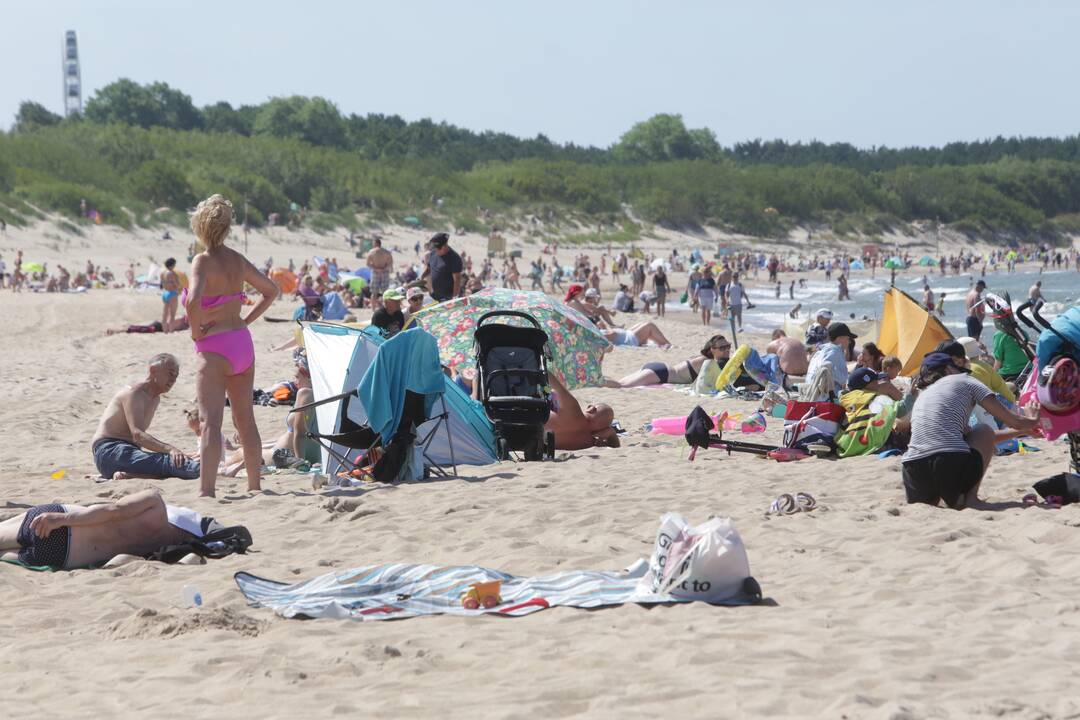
<point x="138" y="149"/>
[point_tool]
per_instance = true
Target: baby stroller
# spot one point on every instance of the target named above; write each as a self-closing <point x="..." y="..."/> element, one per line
<point x="511" y="369"/>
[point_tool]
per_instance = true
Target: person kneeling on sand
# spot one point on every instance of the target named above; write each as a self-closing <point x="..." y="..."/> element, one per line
<point x="123" y="447"/>
<point x="576" y="428"/>
<point x="73" y="536"/>
<point x="946" y="458"/>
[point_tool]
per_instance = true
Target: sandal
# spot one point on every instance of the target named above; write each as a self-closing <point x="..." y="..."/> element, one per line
<point x="783" y="505"/>
<point x="805" y="501"/>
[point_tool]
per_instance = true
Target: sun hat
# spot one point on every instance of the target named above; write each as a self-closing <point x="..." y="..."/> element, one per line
<point x="393" y="294"/>
<point x="592" y="292"/>
<point x="825" y="313"/>
<point x="414" y="292"/>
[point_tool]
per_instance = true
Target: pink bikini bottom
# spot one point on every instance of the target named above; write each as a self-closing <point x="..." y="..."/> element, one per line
<point x="233" y="345"/>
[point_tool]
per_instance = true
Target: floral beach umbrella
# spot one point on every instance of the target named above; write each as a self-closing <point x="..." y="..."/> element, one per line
<point x="576" y="345"/>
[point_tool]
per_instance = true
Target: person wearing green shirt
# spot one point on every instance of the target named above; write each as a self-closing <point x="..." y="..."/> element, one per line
<point x="982" y="370"/>
<point x="1009" y="358"/>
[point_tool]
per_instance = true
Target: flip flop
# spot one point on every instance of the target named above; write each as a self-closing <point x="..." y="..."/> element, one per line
<point x="805" y="501"/>
<point x="783" y="505"/>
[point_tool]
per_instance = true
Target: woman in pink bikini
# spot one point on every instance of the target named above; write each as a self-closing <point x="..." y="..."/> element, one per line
<point x="226" y="364"/>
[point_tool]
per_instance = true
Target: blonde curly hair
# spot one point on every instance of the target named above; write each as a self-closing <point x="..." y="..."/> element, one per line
<point x="211" y="220"/>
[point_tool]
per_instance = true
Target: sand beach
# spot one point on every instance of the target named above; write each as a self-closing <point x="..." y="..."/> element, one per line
<point x="873" y="608"/>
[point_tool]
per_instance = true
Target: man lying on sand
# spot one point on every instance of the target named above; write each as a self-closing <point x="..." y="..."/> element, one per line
<point x="577" y="429"/>
<point x="122" y="446"/>
<point x="73" y="536"/>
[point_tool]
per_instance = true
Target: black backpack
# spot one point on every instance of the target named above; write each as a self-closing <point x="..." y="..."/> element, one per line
<point x="219" y="542"/>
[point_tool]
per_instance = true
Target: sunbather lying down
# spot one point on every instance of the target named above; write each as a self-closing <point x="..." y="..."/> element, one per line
<point x="72" y="536"/>
<point x="577" y="428"/>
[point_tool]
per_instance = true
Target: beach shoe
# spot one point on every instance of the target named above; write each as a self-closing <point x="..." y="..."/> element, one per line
<point x="783" y="505"/>
<point x="805" y="501"/>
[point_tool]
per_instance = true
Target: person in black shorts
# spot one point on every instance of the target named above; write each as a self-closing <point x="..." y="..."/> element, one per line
<point x="947" y="458"/>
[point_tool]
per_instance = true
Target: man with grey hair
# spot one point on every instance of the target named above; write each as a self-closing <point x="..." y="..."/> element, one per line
<point x="123" y="447"/>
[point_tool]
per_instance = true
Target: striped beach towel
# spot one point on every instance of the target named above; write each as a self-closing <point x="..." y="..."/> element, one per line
<point x="390" y="592"/>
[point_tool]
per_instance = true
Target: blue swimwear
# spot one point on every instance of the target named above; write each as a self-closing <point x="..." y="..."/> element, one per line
<point x="168" y="295"/>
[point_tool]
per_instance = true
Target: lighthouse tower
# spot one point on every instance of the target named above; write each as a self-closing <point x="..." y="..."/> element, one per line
<point x="72" y="75"/>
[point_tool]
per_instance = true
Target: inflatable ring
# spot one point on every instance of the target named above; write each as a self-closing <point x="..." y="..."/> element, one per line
<point x="732" y="367"/>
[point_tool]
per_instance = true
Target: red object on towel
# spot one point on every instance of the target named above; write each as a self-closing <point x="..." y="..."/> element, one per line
<point x="824" y="410"/>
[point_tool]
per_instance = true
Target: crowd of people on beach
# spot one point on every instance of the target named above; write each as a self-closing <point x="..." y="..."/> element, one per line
<point x="944" y="457"/>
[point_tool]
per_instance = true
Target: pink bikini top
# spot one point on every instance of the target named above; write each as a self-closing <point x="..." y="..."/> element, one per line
<point x="212" y="301"/>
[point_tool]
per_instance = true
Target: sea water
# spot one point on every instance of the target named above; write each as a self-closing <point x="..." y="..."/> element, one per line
<point x="1061" y="288"/>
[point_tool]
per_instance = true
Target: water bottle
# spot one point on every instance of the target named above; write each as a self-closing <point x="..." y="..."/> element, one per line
<point x="191" y="596"/>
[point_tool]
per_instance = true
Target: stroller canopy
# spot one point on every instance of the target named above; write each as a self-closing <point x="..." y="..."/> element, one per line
<point x="338" y="358"/>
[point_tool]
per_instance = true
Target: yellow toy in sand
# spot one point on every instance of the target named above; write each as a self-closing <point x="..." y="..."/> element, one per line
<point x="732" y="367"/>
<point x="484" y="595"/>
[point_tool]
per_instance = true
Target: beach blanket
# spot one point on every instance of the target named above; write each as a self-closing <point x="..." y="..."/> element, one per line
<point x="398" y="590"/>
<point x="707" y="563"/>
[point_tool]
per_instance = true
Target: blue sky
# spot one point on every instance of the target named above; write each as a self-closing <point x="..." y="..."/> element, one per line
<point x="870" y="73"/>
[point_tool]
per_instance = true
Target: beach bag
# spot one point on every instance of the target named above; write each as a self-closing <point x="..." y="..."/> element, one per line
<point x="685" y="296"/>
<point x="812" y="423"/>
<point x="706" y="562"/>
<point x="218" y="543"/>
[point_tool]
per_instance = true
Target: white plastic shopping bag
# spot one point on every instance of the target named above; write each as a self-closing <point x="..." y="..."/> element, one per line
<point x="707" y="562"/>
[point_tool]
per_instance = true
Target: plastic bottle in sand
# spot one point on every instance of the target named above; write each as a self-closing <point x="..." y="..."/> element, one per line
<point x="191" y="596"/>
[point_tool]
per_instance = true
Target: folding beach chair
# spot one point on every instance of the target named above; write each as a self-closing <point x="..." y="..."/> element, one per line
<point x="351" y="444"/>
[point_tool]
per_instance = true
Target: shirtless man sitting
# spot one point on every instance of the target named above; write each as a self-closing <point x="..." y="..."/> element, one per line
<point x="73" y="536"/>
<point x="791" y="352"/>
<point x="122" y="446"/>
<point x="577" y="429"/>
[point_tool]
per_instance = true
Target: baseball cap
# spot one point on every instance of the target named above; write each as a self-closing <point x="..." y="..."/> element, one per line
<point x="936" y="360"/>
<point x="825" y="313"/>
<point x="592" y="292"/>
<point x="438" y="240"/>
<point x="863" y="376"/>
<point x="573" y="290"/>
<point x="414" y="292"/>
<point x="838" y="329"/>
<point x="393" y="294"/>
<point x="971" y="347"/>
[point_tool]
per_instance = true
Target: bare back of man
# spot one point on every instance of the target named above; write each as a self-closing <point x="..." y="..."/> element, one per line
<point x="792" y="355"/>
<point x="139" y="535"/>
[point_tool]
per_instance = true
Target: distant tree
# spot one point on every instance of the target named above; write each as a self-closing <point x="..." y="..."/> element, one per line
<point x="221" y="117"/>
<point x="661" y="137"/>
<point x="175" y="108"/>
<point x="32" y="115"/>
<point x="314" y="120"/>
<point x="127" y="102"/>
